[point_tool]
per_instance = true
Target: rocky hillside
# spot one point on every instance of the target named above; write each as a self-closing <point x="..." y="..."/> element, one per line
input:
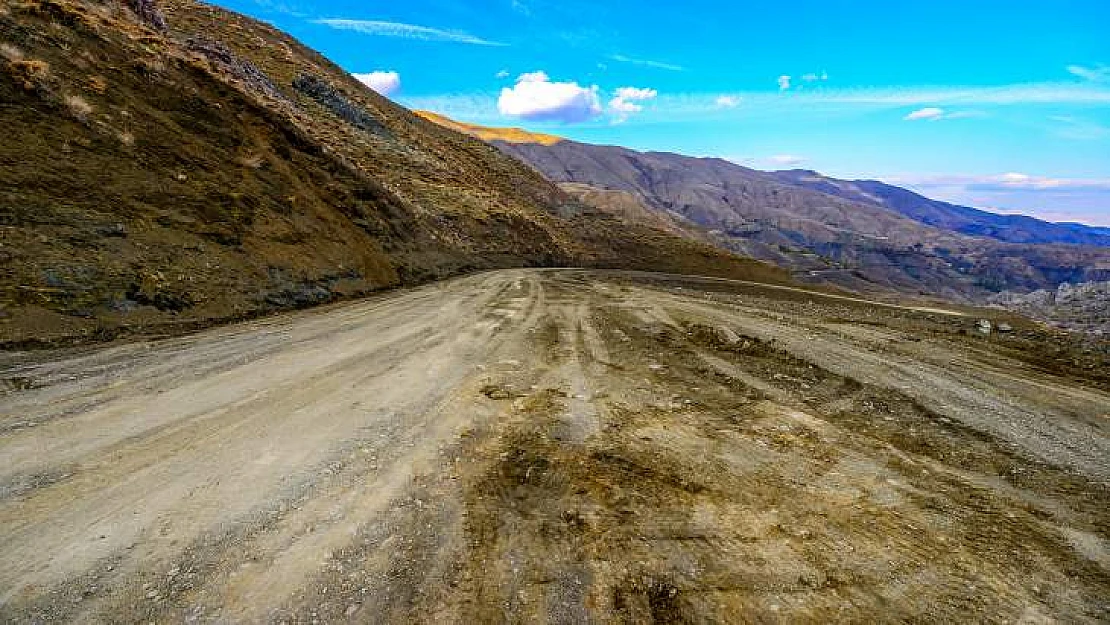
<point x="1084" y="307"/>
<point x="841" y="238"/>
<point x="175" y="165"/>
<point x="962" y="219"/>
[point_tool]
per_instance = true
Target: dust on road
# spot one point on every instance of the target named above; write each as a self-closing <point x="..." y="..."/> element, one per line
<point x="557" y="446"/>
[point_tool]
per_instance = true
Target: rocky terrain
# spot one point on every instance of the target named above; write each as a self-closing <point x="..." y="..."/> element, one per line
<point x="563" y="446"/>
<point x="1083" y="307"/>
<point x="172" y="165"/>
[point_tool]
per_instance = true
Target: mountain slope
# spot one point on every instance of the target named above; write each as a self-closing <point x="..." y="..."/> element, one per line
<point x="180" y="171"/>
<point x="862" y="245"/>
<point x="962" y="219"/>
<point x="485" y="133"/>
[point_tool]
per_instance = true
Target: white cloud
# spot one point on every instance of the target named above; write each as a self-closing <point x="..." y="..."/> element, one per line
<point x="787" y="82"/>
<point x="405" y="31"/>
<point x="624" y="107"/>
<point x="636" y="93"/>
<point x="385" y="83"/>
<point x="1026" y="182"/>
<point x="727" y="101"/>
<point x="503" y="74"/>
<point x="929" y="112"/>
<point x="671" y="67"/>
<point x="540" y="76"/>
<point x="1099" y="73"/>
<point x="964" y="115"/>
<point x="624" y="103"/>
<point x="536" y="98"/>
<point x="788" y="160"/>
<point x="934" y="113"/>
<point x="1012" y="181"/>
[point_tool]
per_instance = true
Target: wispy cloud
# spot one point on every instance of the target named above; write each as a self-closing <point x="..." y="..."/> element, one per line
<point x="1027" y="182"/>
<point x="1098" y="73"/>
<point x="626" y="101"/>
<point x="405" y="31"/>
<point x="956" y="101"/>
<point x="787" y="160"/>
<point x="934" y="113"/>
<point x="1069" y="127"/>
<point x="1052" y="198"/>
<point x="1010" y="181"/>
<point x="787" y="82"/>
<point x="1027" y="93"/>
<point x="727" y="101"/>
<point x="671" y="67"/>
<point x="929" y="112"/>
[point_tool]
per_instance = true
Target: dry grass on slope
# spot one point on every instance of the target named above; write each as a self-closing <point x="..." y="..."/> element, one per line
<point x="156" y="182"/>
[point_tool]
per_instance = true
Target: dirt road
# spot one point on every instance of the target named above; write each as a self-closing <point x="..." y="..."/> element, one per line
<point x="556" y="446"/>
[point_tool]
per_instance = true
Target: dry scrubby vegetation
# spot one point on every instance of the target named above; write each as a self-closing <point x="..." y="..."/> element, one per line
<point x="158" y="180"/>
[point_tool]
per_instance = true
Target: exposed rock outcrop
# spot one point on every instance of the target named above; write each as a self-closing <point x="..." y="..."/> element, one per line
<point x="326" y="95"/>
<point x="150" y="14"/>
<point x="227" y="62"/>
<point x="1084" y="306"/>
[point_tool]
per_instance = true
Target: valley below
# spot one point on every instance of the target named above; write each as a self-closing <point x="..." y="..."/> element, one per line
<point x="562" y="445"/>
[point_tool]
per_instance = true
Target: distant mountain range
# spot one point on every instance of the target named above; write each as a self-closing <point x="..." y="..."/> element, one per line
<point x="962" y="219"/>
<point x="862" y="235"/>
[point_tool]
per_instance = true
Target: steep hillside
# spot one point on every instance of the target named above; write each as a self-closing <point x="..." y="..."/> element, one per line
<point x="176" y="166"/>
<point x="850" y="241"/>
<point x="962" y="219"/>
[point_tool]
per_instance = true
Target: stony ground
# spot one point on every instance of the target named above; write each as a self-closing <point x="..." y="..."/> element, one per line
<point x="560" y="446"/>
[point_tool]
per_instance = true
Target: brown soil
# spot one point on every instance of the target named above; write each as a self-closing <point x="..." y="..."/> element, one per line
<point x="560" y="446"/>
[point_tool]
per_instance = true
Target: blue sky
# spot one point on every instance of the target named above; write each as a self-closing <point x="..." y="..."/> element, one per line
<point x="999" y="104"/>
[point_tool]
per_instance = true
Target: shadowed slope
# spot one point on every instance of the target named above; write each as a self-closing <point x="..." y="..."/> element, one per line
<point x="219" y="169"/>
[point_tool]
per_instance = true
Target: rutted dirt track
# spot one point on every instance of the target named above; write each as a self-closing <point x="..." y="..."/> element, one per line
<point x="555" y="446"/>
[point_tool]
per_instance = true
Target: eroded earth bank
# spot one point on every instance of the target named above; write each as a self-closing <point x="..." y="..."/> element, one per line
<point x="560" y="446"/>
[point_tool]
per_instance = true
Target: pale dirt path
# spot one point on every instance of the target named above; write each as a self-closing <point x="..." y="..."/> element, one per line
<point x="421" y="455"/>
<point x="137" y="452"/>
<point x="1047" y="418"/>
